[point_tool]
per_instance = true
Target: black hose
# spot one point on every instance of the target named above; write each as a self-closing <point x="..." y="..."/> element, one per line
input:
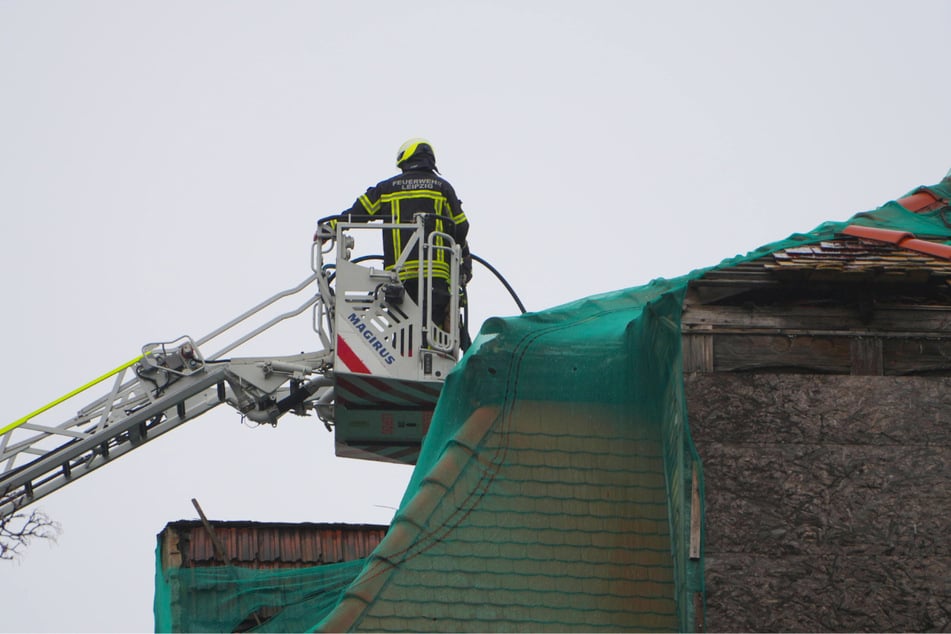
<point x="475" y="257"/>
<point x="501" y="279"/>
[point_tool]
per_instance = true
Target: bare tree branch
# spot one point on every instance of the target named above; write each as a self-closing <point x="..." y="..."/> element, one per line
<point x="19" y="529"/>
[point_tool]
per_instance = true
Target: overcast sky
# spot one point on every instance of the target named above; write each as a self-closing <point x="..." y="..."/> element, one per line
<point x="162" y="165"/>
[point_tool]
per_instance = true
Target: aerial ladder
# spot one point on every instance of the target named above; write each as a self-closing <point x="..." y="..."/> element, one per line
<point x="374" y="379"/>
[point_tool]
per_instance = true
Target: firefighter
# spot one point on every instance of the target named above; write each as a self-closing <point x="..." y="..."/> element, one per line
<point x="419" y="188"/>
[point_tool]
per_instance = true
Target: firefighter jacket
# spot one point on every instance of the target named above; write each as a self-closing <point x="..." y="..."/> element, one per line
<point x="397" y="200"/>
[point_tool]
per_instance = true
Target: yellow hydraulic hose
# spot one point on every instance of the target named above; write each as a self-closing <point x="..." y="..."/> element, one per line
<point x="105" y="376"/>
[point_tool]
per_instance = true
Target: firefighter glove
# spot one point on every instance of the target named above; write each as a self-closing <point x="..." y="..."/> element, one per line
<point x="466" y="269"/>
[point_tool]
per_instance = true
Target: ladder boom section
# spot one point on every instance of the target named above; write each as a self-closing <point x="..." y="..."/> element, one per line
<point x="172" y="384"/>
<point x="86" y="442"/>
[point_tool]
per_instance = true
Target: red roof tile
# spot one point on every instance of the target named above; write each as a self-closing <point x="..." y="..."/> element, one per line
<point x="902" y="239"/>
<point x="921" y="201"/>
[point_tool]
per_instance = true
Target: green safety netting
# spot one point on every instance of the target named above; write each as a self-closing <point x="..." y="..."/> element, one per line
<point x="233" y="598"/>
<point x="553" y="489"/>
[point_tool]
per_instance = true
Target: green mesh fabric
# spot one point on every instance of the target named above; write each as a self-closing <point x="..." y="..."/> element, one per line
<point x="553" y="489"/>
<point x="231" y="598"/>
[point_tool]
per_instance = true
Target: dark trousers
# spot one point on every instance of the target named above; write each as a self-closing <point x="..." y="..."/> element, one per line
<point x="439" y="314"/>
<point x="441" y="298"/>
